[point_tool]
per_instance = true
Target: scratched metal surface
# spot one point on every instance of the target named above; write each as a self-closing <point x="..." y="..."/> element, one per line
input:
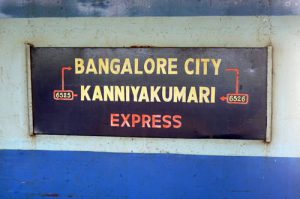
<point x="98" y="8"/>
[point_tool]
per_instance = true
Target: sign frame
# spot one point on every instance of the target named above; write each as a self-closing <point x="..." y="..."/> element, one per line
<point x="269" y="90"/>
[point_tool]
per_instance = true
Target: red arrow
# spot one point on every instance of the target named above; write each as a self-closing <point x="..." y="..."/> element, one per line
<point x="67" y="68"/>
<point x="223" y="98"/>
<point x="63" y="76"/>
<point x="237" y="78"/>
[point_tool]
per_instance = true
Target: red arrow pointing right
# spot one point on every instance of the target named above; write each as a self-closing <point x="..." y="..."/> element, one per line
<point x="67" y="68"/>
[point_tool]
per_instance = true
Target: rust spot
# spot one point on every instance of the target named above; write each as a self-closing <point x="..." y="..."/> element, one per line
<point x="30" y="44"/>
<point x="140" y="46"/>
<point x="53" y="195"/>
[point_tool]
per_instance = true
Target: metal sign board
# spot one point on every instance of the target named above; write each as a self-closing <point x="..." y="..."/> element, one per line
<point x="151" y="92"/>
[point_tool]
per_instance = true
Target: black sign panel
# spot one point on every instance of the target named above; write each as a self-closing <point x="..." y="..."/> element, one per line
<point x="150" y="92"/>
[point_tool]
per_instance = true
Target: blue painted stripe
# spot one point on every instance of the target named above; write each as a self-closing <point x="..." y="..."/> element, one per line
<point x="61" y="174"/>
<point x="97" y="8"/>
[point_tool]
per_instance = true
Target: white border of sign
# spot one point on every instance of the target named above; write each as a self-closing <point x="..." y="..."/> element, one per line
<point x="269" y="94"/>
<point x="29" y="90"/>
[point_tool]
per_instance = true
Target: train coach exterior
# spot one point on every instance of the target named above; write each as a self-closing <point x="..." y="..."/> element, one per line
<point x="45" y="155"/>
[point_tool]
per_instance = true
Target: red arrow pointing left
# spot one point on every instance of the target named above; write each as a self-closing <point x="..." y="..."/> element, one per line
<point x="223" y="98"/>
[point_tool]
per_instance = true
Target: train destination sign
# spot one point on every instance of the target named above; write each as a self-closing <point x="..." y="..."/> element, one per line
<point x="150" y="92"/>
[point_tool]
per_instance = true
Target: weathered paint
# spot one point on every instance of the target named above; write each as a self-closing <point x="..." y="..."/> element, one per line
<point x="97" y="8"/>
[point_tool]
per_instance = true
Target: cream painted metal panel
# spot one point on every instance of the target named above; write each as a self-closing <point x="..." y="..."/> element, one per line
<point x="281" y="32"/>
